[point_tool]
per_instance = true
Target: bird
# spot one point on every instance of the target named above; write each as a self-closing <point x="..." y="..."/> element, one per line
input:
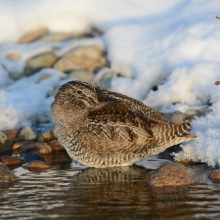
<point x="100" y="128"/>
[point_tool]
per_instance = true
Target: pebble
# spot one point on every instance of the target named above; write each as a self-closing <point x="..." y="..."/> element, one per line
<point x="9" y="160"/>
<point x="33" y="35"/>
<point x="38" y="164"/>
<point x="27" y="134"/>
<point x="5" y="141"/>
<point x="38" y="62"/>
<point x="12" y="134"/>
<point x="6" y="176"/>
<point x="55" y="144"/>
<point x="215" y="176"/>
<point x="31" y="156"/>
<point x="86" y="58"/>
<point x="14" y="56"/>
<point x="40" y="147"/>
<point x="82" y="75"/>
<point x="47" y="136"/>
<point x="171" y="174"/>
<point x="19" y="144"/>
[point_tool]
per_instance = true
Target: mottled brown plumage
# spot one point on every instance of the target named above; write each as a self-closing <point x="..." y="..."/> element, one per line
<point x="100" y="128"/>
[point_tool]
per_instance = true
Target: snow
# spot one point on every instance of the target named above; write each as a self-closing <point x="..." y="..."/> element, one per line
<point x="173" y="46"/>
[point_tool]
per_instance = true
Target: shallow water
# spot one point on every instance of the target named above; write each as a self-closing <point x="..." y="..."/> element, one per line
<point x="72" y="191"/>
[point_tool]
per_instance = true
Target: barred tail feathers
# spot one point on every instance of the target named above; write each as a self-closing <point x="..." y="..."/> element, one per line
<point x="173" y="134"/>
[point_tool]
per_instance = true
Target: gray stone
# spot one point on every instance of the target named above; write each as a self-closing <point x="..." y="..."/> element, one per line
<point x="6" y="176"/>
<point x="27" y="134"/>
<point x="169" y="175"/>
<point x="38" y="62"/>
<point x="82" y="75"/>
<point x="86" y="58"/>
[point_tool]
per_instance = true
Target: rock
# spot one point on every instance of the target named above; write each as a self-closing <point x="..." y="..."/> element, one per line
<point x="188" y="162"/>
<point x="38" y="62"/>
<point x="32" y="36"/>
<point x="82" y="75"/>
<point x="55" y="37"/>
<point x="5" y="141"/>
<point x="55" y="144"/>
<point x="12" y="134"/>
<point x="31" y="156"/>
<point x="40" y="147"/>
<point x="169" y="175"/>
<point x="86" y="58"/>
<point x="215" y="176"/>
<point x="47" y="136"/>
<point x="38" y="164"/>
<point x="19" y="144"/>
<point x="27" y="134"/>
<point x="14" y="56"/>
<point x="6" y="176"/>
<point x="9" y="160"/>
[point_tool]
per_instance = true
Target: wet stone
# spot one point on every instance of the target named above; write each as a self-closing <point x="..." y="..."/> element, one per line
<point x="7" y="178"/>
<point x="39" y="147"/>
<point x="55" y="144"/>
<point x="85" y="58"/>
<point x="9" y="160"/>
<point x="215" y="176"/>
<point x="38" y="164"/>
<point x="27" y="134"/>
<point x="33" y="35"/>
<point x="47" y="136"/>
<point x="169" y="175"/>
<point x="19" y="144"/>
<point x="31" y="156"/>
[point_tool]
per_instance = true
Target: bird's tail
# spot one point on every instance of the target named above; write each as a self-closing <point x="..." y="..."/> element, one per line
<point x="172" y="134"/>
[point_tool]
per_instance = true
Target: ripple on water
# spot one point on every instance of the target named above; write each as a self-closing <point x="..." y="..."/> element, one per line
<point x="72" y="191"/>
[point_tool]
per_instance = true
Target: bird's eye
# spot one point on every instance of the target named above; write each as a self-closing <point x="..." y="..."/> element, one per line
<point x="79" y="92"/>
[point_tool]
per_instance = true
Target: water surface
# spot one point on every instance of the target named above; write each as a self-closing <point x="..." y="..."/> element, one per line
<point x="71" y="191"/>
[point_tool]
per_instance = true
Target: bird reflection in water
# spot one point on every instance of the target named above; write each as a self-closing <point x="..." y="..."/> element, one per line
<point x="117" y="191"/>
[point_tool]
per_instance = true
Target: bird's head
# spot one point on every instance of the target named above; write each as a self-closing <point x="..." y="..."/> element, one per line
<point x="73" y="97"/>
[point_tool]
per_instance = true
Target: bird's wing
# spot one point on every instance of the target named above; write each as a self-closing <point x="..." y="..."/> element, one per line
<point x="133" y="104"/>
<point x="114" y="120"/>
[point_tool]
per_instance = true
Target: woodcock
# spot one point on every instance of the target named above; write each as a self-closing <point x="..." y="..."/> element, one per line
<point x="100" y="128"/>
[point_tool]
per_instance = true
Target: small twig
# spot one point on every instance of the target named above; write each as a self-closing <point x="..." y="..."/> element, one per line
<point x="217" y="17"/>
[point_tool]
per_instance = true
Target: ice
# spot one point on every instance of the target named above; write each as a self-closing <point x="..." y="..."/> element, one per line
<point x="167" y="55"/>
